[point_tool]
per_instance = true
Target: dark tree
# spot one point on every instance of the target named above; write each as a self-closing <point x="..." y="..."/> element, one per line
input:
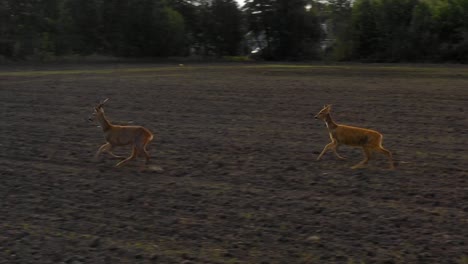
<point x="138" y="28"/>
<point x="285" y="29"/>
<point x="82" y="21"/>
<point x="297" y="30"/>
<point x="224" y="27"/>
<point x="364" y="30"/>
<point x="260" y="17"/>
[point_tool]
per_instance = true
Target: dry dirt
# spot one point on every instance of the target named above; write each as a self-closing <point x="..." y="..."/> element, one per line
<point x="233" y="176"/>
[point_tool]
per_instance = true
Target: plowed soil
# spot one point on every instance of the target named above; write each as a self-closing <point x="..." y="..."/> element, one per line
<point x="233" y="176"/>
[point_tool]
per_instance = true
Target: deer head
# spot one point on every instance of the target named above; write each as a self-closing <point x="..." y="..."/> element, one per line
<point x="324" y="112"/>
<point x="98" y="110"/>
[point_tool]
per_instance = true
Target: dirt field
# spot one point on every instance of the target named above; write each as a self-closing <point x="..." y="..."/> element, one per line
<point x="233" y="177"/>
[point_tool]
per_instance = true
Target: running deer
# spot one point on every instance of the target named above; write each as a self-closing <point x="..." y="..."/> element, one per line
<point x="369" y="140"/>
<point x="116" y="135"/>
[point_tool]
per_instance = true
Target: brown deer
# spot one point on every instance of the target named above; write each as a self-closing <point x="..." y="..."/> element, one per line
<point x="369" y="140"/>
<point x="116" y="135"/>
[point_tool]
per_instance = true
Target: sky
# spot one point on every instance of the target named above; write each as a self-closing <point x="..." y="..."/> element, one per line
<point x="241" y="2"/>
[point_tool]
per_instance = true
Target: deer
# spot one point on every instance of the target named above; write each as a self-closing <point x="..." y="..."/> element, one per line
<point x="117" y="135"/>
<point x="369" y="140"/>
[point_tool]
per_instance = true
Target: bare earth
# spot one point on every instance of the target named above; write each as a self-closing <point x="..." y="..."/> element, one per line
<point x="233" y="178"/>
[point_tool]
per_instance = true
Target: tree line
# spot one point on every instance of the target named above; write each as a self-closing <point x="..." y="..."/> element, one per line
<point x="341" y="30"/>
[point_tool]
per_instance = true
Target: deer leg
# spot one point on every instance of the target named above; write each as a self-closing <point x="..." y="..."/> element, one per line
<point x="109" y="150"/>
<point x="389" y="156"/>
<point x="113" y="155"/>
<point x="335" y="150"/>
<point x="367" y="155"/>
<point x="106" y="148"/>
<point x="328" y="146"/>
<point x="133" y="156"/>
<point x="100" y="150"/>
<point x="143" y="152"/>
<point x="141" y="147"/>
<point x="146" y="154"/>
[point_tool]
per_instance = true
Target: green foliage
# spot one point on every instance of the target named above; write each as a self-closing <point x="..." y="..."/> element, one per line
<point x="220" y="33"/>
<point x="46" y="28"/>
<point x="237" y="58"/>
<point x="363" y="30"/>
<point x="406" y="30"/>
<point x="23" y="24"/>
<point x="81" y="21"/>
<point x="138" y="28"/>
<point x="285" y="28"/>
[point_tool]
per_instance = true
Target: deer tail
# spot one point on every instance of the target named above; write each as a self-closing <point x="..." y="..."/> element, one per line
<point x="148" y="133"/>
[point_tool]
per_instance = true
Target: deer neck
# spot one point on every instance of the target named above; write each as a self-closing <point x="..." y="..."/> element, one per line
<point x="105" y="124"/>
<point x="331" y="125"/>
